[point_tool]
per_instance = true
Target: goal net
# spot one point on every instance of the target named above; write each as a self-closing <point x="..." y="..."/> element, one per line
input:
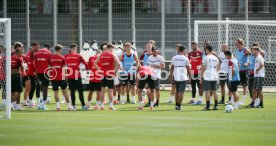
<point x="264" y="32"/>
<point x="5" y="68"/>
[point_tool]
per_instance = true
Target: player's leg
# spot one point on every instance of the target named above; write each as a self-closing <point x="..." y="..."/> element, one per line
<point x="37" y="90"/>
<point x="207" y="89"/>
<point x="81" y="95"/>
<point x="63" y="86"/>
<point x="55" y="86"/>
<point x="180" y="94"/>
<point x="200" y="92"/>
<point x="132" y="84"/>
<point x="222" y="88"/>
<point x="103" y="86"/>
<point x="98" y="95"/>
<point x="243" y="76"/>
<point x="141" y="86"/>
<point x="18" y="88"/>
<point x="172" y="94"/>
<point x="157" y="92"/>
<point x="123" y="91"/>
<point x="90" y="94"/>
<point x="32" y="91"/>
<point x="27" y="85"/>
<point x="110" y="86"/>
<point x="72" y="92"/>
<point x="193" y="84"/>
<point x="214" y="92"/>
<point x="260" y="92"/>
<point x="44" y="79"/>
<point x="151" y="84"/>
<point x="127" y="92"/>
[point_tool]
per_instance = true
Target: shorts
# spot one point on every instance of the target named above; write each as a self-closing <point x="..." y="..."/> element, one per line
<point x="243" y="77"/>
<point x="258" y="83"/>
<point x="61" y="83"/>
<point x="107" y="82"/>
<point x="125" y="80"/>
<point x="75" y="84"/>
<point x="210" y="85"/>
<point x="157" y="84"/>
<point x="233" y="86"/>
<point x="43" y="79"/>
<point x="223" y="78"/>
<point x="148" y="80"/>
<point x="16" y="83"/>
<point x="180" y="86"/>
<point x="24" y="79"/>
<point x="95" y="86"/>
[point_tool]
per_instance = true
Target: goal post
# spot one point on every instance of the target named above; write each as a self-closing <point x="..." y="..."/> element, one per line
<point x="227" y="31"/>
<point x="5" y="42"/>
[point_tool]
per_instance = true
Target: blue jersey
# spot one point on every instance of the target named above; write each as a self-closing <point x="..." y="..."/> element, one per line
<point x="234" y="63"/>
<point x="146" y="59"/>
<point x="242" y="59"/>
<point x="128" y="63"/>
<point x="252" y="62"/>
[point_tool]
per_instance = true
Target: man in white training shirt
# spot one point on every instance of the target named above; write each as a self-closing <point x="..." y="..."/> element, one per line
<point x="157" y="63"/>
<point x="180" y="70"/>
<point x="223" y="74"/>
<point x="210" y="68"/>
<point x="259" y="75"/>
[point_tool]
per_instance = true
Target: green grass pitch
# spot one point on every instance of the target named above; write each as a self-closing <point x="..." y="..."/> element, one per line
<point x="127" y="126"/>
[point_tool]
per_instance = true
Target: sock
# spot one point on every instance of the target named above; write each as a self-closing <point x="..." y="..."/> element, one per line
<point x="232" y="99"/>
<point x="57" y="105"/>
<point x="114" y="98"/>
<point x="207" y="104"/>
<point x="44" y="102"/>
<point x="110" y="104"/>
<point x="236" y="104"/>
<point x="25" y="101"/>
<point x="216" y="103"/>
<point x="118" y="97"/>
<point x="200" y="98"/>
<point x="151" y="103"/>
<point x="69" y="105"/>
<point x="141" y="103"/>
<point x="133" y="98"/>
<point x="229" y="99"/>
<point x="89" y="103"/>
<point x="157" y="102"/>
<point x="31" y="101"/>
<point x="261" y="103"/>
<point x="243" y="98"/>
<point x="222" y="98"/>
<point x="123" y="98"/>
<point x="149" y="100"/>
<point x="127" y="97"/>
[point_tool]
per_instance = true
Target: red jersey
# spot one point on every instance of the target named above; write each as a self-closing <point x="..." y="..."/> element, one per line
<point x="30" y="63"/>
<point x="41" y="60"/>
<point x="57" y="62"/>
<point x="2" y="68"/>
<point x="195" y="58"/>
<point x="73" y="61"/>
<point x="16" y="62"/>
<point x="145" y="71"/>
<point x="95" y="76"/>
<point x="107" y="64"/>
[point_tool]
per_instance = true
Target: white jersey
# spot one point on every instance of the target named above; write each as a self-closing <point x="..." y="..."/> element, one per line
<point x="180" y="63"/>
<point x="211" y="63"/>
<point x="258" y="61"/>
<point x="156" y="60"/>
<point x="224" y="62"/>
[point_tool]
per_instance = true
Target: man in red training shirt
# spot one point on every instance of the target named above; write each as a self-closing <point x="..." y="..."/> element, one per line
<point x="94" y="81"/>
<point x="109" y="64"/>
<point x="57" y="62"/>
<point x="73" y="61"/>
<point x="41" y="62"/>
<point x="195" y="58"/>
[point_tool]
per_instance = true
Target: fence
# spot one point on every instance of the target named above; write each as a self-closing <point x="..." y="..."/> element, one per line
<point x="166" y="21"/>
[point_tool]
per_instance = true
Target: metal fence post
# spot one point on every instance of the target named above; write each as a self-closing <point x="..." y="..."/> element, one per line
<point x="28" y="24"/>
<point x="5" y="8"/>
<point x="80" y="25"/>
<point x="110" y="35"/>
<point x="189" y="25"/>
<point x="55" y="22"/>
<point x="133" y="17"/>
<point x="163" y="13"/>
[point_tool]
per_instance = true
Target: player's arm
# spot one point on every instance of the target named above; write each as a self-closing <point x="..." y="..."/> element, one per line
<point x="162" y="64"/>
<point x="117" y="63"/>
<point x="96" y="63"/>
<point x="215" y="54"/>
<point x="261" y="65"/>
<point x="84" y="62"/>
<point x="188" y="67"/>
<point x="171" y="70"/>
<point x="137" y="61"/>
